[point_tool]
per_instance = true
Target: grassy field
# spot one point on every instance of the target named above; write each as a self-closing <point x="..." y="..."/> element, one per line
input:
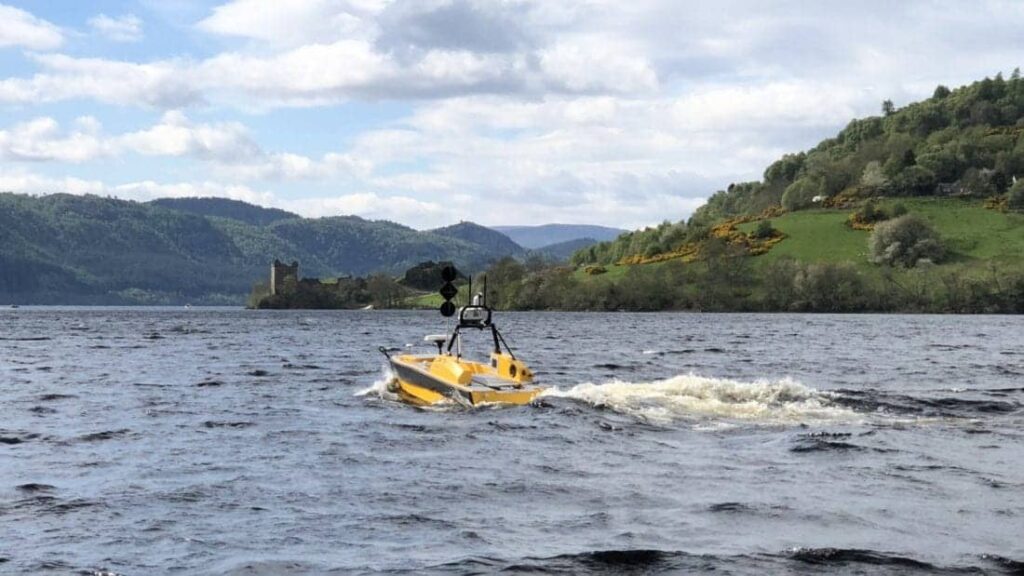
<point x="816" y="236"/>
<point x="972" y="233"/>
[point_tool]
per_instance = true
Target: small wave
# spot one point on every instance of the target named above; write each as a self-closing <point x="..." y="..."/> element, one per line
<point x="35" y="487"/>
<point x="729" y="507"/>
<point x="690" y="396"/>
<point x="820" y="445"/>
<point x="629" y="561"/>
<point x="935" y="407"/>
<point x="51" y="397"/>
<point x="227" y="424"/>
<point x="381" y="386"/>
<point x="104" y="435"/>
<point x="290" y="366"/>
<point x="1008" y="565"/>
<point x="844" y="556"/>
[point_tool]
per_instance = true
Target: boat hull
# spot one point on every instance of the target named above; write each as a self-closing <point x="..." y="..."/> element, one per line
<point x="417" y="383"/>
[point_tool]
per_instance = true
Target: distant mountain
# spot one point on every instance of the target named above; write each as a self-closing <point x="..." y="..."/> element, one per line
<point x="491" y="240"/>
<point x="547" y="234"/>
<point x="561" y="251"/>
<point x="225" y="208"/>
<point x="66" y="249"/>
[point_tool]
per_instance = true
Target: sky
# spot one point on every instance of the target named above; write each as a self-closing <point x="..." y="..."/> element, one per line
<point x="429" y="112"/>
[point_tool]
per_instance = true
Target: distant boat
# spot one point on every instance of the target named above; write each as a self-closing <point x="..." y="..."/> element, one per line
<point x="188" y="306"/>
<point x="15" y="306"/>
<point x="367" y="307"/>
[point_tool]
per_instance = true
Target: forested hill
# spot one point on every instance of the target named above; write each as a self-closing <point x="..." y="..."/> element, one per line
<point x="226" y="208"/>
<point x="494" y="241"/>
<point x="967" y="142"/>
<point x="86" y="249"/>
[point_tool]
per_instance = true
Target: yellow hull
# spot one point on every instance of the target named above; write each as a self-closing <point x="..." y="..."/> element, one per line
<point x="426" y="380"/>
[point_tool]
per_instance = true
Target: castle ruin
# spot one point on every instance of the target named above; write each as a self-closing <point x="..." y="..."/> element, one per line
<point x="279" y="271"/>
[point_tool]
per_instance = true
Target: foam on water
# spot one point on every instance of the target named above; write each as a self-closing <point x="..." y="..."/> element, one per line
<point x="379" y="387"/>
<point x="697" y="397"/>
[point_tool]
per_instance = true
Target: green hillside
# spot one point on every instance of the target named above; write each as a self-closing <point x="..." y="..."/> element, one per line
<point x="919" y="209"/>
<point x="964" y="143"/>
<point x="85" y="249"/>
<point x="563" y="251"/>
<point x="821" y="264"/>
<point x="973" y="234"/>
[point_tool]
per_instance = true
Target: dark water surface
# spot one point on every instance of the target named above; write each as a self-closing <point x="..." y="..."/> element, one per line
<point x="147" y="441"/>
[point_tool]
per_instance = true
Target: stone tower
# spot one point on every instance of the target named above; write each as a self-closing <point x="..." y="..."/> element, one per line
<point x="279" y="271"/>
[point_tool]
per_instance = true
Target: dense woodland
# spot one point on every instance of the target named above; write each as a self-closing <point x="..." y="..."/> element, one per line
<point x="731" y="283"/>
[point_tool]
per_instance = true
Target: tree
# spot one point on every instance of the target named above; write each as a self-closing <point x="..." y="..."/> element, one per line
<point x="384" y="290"/>
<point x="914" y="181"/>
<point x="869" y="213"/>
<point x="800" y="194"/>
<point x="829" y="287"/>
<point x="888" y="108"/>
<point x="873" y="176"/>
<point x="778" y="282"/>
<point x="905" y="241"/>
<point x="940" y="92"/>
<point x="764" y="230"/>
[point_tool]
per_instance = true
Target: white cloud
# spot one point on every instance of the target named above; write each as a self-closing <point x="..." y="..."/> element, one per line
<point x="595" y="64"/>
<point x="27" y="182"/>
<point x="226" y="147"/>
<point x="403" y="209"/>
<point x="40" y="140"/>
<point x="176" y="135"/>
<point x="293" y="23"/>
<point x="20" y="28"/>
<point x="309" y="75"/>
<point x="126" y="28"/>
<point x="160" y="84"/>
<point x="150" y="190"/>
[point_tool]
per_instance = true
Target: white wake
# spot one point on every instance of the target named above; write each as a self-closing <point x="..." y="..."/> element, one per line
<point x="381" y="387"/>
<point x="699" y="398"/>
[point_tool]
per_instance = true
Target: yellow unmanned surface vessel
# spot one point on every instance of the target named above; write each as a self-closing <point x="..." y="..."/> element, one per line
<point x="447" y="376"/>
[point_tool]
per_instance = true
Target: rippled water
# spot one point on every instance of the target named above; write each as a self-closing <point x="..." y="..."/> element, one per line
<point x="148" y="441"/>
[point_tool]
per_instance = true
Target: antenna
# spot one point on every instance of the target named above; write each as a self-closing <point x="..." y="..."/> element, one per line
<point x="485" y="290"/>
